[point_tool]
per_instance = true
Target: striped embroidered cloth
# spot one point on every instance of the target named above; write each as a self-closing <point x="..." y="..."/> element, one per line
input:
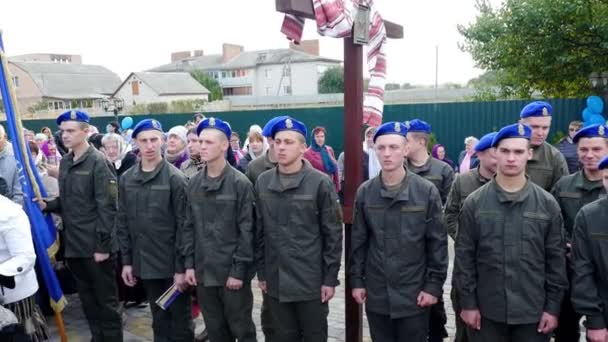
<point x="335" y="19"/>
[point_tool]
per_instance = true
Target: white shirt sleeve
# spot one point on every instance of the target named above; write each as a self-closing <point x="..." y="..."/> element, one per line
<point x="16" y="236"/>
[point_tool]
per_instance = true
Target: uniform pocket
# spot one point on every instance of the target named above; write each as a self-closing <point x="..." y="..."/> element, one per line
<point x="534" y="226"/>
<point x="412" y="233"/>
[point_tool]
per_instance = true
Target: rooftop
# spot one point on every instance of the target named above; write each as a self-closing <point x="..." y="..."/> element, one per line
<point x="244" y="60"/>
<point x="70" y="81"/>
<point x="169" y="83"/>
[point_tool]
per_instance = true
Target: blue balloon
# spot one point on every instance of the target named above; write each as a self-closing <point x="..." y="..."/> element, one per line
<point x="595" y="104"/>
<point x="126" y="123"/>
<point x="587" y="114"/>
<point x="597" y="119"/>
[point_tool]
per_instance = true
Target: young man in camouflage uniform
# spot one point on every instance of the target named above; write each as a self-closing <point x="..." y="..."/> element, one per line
<point x="547" y="164"/>
<point x="219" y="239"/>
<point x="87" y="204"/>
<point x="572" y="193"/>
<point x="510" y="256"/>
<point x="463" y="186"/>
<point x="441" y="175"/>
<point x="399" y="245"/>
<point x="299" y="239"/>
<point x="590" y="264"/>
<point x="151" y="215"/>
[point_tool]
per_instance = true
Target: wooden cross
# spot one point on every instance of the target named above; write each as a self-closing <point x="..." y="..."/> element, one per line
<point x="353" y="152"/>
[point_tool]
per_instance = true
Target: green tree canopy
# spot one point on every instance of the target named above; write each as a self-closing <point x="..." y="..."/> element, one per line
<point x="549" y="46"/>
<point x="210" y="83"/>
<point x="332" y="81"/>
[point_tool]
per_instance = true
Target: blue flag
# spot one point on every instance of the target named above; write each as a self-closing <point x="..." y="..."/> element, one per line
<point x="44" y="233"/>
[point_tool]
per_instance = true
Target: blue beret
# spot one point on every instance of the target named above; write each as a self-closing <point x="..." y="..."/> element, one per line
<point x="517" y="130"/>
<point x="417" y="125"/>
<point x="73" y="115"/>
<point x="288" y="124"/>
<point x="267" y="131"/>
<point x="591" y="131"/>
<point x="392" y="127"/>
<point x="536" y="108"/>
<point x="603" y="163"/>
<point x="485" y="142"/>
<point x="214" y="123"/>
<point x="146" y="125"/>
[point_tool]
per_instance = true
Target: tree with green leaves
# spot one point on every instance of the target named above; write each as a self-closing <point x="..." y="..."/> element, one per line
<point x="549" y="46"/>
<point x="215" y="91"/>
<point x="332" y="81"/>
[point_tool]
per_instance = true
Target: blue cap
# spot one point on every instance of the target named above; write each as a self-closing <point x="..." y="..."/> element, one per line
<point x="73" y="115"/>
<point x="214" y="123"/>
<point x="536" y="108"/>
<point x="392" y="127"/>
<point x="485" y="142"/>
<point x="417" y="125"/>
<point x="603" y="163"/>
<point x="267" y="131"/>
<point x="146" y="125"/>
<point x="591" y="131"/>
<point x="288" y="124"/>
<point x="517" y="130"/>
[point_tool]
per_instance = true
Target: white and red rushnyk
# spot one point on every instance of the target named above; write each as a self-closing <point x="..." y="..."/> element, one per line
<point x="335" y="19"/>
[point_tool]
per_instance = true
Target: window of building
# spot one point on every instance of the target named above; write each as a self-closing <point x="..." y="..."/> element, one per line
<point x="287" y="71"/>
<point x="134" y="87"/>
<point x="233" y="73"/>
<point x="267" y="73"/>
<point x="56" y="105"/>
<point x="268" y="91"/>
<point x="223" y="74"/>
<point x="16" y="81"/>
<point x="287" y="90"/>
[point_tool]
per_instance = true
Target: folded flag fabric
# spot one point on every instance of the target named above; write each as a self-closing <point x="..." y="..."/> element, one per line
<point x="165" y="300"/>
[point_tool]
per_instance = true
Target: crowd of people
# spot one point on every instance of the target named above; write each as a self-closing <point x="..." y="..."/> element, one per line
<point x="185" y="218"/>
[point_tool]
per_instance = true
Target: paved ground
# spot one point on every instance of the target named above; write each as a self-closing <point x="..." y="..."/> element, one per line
<point x="139" y="321"/>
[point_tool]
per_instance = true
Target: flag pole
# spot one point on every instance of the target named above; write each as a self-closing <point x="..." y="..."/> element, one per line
<point x="9" y="98"/>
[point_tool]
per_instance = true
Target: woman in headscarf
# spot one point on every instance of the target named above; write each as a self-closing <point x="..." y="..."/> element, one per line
<point x="115" y="150"/>
<point x="439" y="154"/>
<point x="256" y="148"/>
<point x="193" y="165"/>
<point x="49" y="149"/>
<point x="322" y="157"/>
<point x="177" y="143"/>
<point x="47" y="131"/>
<point x="373" y="165"/>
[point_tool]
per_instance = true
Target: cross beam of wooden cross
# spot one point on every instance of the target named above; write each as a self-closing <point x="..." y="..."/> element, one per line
<point x="304" y="9"/>
<point x="353" y="152"/>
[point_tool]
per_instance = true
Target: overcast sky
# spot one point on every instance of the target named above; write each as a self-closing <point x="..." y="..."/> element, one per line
<point x="135" y="35"/>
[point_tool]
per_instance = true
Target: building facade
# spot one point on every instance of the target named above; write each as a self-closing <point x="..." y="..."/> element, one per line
<point x="155" y="87"/>
<point x="277" y="72"/>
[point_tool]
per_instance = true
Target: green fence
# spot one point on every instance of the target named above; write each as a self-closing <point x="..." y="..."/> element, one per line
<point x="451" y="122"/>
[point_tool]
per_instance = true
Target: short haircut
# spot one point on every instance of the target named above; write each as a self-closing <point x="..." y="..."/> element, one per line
<point x="33" y="147"/>
<point x="235" y="134"/>
<point x="318" y="130"/>
<point x="420" y="135"/>
<point x="83" y="125"/>
<point x="301" y="139"/>
<point x="255" y="135"/>
<point x="470" y="139"/>
<point x="192" y="131"/>
<point x="115" y="138"/>
<point x="577" y="124"/>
